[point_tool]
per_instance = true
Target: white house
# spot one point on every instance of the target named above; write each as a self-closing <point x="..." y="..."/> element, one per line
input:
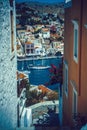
<point x="46" y="33"/>
<point x="40" y="51"/>
<point x="38" y="45"/>
<point x="29" y="48"/>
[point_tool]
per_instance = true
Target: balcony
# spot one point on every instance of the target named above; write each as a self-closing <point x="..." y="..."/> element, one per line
<point x="21" y="105"/>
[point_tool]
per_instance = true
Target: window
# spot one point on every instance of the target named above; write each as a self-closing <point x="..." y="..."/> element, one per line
<point x="74" y="101"/>
<point x="75" y="42"/>
<point x="32" y="45"/>
<point x="12" y="30"/>
<point x="11" y="3"/>
<point x="66" y="78"/>
<point x="75" y="45"/>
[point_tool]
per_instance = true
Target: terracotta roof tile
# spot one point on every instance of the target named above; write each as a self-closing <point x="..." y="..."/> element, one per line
<point x="45" y="29"/>
<point x="28" y="42"/>
<point x="43" y="88"/>
<point x="21" y="75"/>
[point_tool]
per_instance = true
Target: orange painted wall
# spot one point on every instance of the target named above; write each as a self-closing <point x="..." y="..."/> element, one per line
<point x="82" y="104"/>
<point x="77" y="72"/>
<point x="71" y="13"/>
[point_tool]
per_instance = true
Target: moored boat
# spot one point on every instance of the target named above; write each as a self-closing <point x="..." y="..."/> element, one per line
<point x="39" y="67"/>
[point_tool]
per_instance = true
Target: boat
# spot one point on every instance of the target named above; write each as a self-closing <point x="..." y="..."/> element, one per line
<point x="39" y="67"/>
<point x="26" y="72"/>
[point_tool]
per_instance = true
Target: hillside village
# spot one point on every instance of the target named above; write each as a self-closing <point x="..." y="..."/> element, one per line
<point x="39" y="32"/>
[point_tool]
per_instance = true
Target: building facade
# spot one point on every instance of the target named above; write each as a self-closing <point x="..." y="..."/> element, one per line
<point x="8" y="84"/>
<point x="29" y="48"/>
<point x="75" y="61"/>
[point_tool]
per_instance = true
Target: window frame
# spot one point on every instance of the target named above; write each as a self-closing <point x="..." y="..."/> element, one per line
<point x="66" y="78"/>
<point x="73" y="105"/>
<point x="12" y="30"/>
<point x="76" y="40"/>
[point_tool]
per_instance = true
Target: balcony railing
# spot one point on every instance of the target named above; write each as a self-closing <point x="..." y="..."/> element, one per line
<point x="21" y="106"/>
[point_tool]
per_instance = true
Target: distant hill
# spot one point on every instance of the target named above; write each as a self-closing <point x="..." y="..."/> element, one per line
<point x="27" y="11"/>
<point x="46" y="8"/>
<point x="41" y="1"/>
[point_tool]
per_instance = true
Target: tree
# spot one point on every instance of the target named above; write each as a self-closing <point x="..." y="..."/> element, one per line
<point x="56" y="74"/>
<point x="32" y="98"/>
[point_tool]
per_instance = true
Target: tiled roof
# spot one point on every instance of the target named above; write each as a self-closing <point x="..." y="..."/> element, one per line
<point x="21" y="75"/>
<point x="43" y="88"/>
<point x="45" y="29"/>
<point x="28" y="42"/>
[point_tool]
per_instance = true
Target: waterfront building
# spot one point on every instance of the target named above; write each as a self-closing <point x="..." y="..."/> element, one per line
<point x="46" y="32"/>
<point x="75" y="61"/>
<point x="37" y="43"/>
<point x="29" y="48"/>
<point x="8" y="66"/>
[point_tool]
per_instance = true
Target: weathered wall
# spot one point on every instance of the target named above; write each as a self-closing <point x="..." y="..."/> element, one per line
<point x="8" y="85"/>
<point x="83" y="94"/>
<point x="77" y="72"/>
<point x="71" y="13"/>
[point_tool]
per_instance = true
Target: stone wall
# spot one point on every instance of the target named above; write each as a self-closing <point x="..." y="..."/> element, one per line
<point x="8" y="84"/>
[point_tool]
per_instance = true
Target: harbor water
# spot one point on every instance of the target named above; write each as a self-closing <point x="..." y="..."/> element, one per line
<point x="38" y="76"/>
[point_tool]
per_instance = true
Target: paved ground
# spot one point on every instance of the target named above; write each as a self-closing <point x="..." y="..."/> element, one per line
<point x="42" y="110"/>
<point x="50" y="119"/>
<point x="45" y="113"/>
